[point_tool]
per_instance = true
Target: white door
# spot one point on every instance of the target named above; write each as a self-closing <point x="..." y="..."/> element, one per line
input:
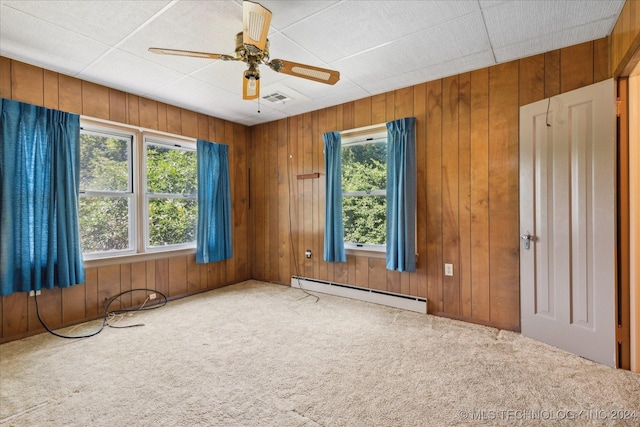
<point x="567" y="221"/>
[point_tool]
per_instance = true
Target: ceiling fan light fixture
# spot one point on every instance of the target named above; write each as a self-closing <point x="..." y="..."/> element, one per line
<point x="250" y="86"/>
<point x="252" y="72"/>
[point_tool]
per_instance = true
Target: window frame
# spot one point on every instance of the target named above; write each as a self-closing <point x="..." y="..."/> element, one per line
<point x="174" y="144"/>
<point x="130" y="195"/>
<point x="138" y="182"/>
<point x="359" y="136"/>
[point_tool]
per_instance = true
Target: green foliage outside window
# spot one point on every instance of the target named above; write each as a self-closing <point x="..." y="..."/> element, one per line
<point x="104" y="167"/>
<point x="364" y="181"/>
<point x="171" y="171"/>
<point x="104" y="223"/>
<point x="106" y="202"/>
<point x="104" y="163"/>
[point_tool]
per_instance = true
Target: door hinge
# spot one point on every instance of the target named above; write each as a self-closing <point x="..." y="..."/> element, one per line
<point x="618" y="106"/>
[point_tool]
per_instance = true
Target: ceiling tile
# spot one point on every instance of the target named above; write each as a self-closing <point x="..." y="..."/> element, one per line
<point x="285" y="13"/>
<point x="34" y="41"/>
<point x="348" y="92"/>
<point x="485" y="4"/>
<point x="460" y="65"/>
<point x="209" y="27"/>
<point x="282" y="47"/>
<point x="104" y="21"/>
<point x="433" y="72"/>
<point x="515" y="22"/>
<point x="262" y="117"/>
<point x="380" y="63"/>
<point x="123" y="71"/>
<point x="455" y="39"/>
<point x="350" y="27"/>
<point x="548" y="42"/>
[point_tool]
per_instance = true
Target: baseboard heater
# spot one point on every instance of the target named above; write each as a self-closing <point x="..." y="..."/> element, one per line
<point x="391" y="299"/>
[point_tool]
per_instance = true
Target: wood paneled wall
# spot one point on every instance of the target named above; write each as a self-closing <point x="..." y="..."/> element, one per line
<point x="467" y="149"/>
<point x="625" y="39"/>
<point x="174" y="276"/>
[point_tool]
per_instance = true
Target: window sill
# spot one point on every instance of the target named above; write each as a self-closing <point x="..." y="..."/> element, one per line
<point x="131" y="258"/>
<point x="366" y="252"/>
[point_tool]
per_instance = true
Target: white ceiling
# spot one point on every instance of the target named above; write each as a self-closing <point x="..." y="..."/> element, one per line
<point x="377" y="46"/>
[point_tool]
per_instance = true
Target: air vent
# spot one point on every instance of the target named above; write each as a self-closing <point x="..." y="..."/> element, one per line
<point x="277" y="97"/>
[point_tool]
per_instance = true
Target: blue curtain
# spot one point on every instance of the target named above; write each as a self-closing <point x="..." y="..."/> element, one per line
<point x="401" y="194"/>
<point x="39" y="176"/>
<point x="333" y="226"/>
<point x="214" y="203"/>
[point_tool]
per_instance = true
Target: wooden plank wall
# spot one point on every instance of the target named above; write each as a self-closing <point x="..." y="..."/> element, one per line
<point x="174" y="276"/>
<point x="625" y="39"/>
<point x="467" y="149"/>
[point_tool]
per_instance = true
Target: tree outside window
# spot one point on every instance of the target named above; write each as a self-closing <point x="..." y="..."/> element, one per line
<point x="364" y="181"/>
<point x="106" y="202"/>
<point x="116" y="207"/>
<point x="172" y="195"/>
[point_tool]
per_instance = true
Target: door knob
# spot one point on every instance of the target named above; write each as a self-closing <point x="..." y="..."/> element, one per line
<point x="527" y="240"/>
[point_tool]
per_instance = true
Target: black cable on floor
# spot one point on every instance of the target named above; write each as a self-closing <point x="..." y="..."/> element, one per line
<point x="162" y="301"/>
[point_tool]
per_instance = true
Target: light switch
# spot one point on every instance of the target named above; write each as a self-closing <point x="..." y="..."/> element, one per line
<point x="448" y="269"/>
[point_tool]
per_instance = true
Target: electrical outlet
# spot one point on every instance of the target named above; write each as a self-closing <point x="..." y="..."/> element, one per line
<point x="34" y="293"/>
<point x="448" y="269"/>
<point x="152" y="296"/>
<point x="307" y="253"/>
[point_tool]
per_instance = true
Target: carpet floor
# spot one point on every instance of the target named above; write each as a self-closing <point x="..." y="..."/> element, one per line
<point x="258" y="354"/>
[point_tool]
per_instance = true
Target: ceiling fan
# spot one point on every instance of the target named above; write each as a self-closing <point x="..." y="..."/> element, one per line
<point x="252" y="47"/>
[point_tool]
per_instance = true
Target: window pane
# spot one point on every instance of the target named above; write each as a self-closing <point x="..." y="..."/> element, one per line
<point x="365" y="220"/>
<point x="171" y="170"/>
<point x="104" y="162"/>
<point x="172" y="221"/>
<point x="364" y="167"/>
<point x="364" y="170"/>
<point x="104" y="223"/>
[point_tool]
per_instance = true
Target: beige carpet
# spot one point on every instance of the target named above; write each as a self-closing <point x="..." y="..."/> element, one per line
<point x="256" y="354"/>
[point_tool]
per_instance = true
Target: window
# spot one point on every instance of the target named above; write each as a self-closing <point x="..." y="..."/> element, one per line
<point x="171" y="196"/>
<point x="107" y="200"/>
<point x="138" y="191"/>
<point x="364" y="181"/>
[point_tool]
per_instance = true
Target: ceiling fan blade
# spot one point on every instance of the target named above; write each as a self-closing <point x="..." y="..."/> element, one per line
<point x="250" y="88"/>
<point x="176" y="52"/>
<point x="255" y="26"/>
<point x="322" y="75"/>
